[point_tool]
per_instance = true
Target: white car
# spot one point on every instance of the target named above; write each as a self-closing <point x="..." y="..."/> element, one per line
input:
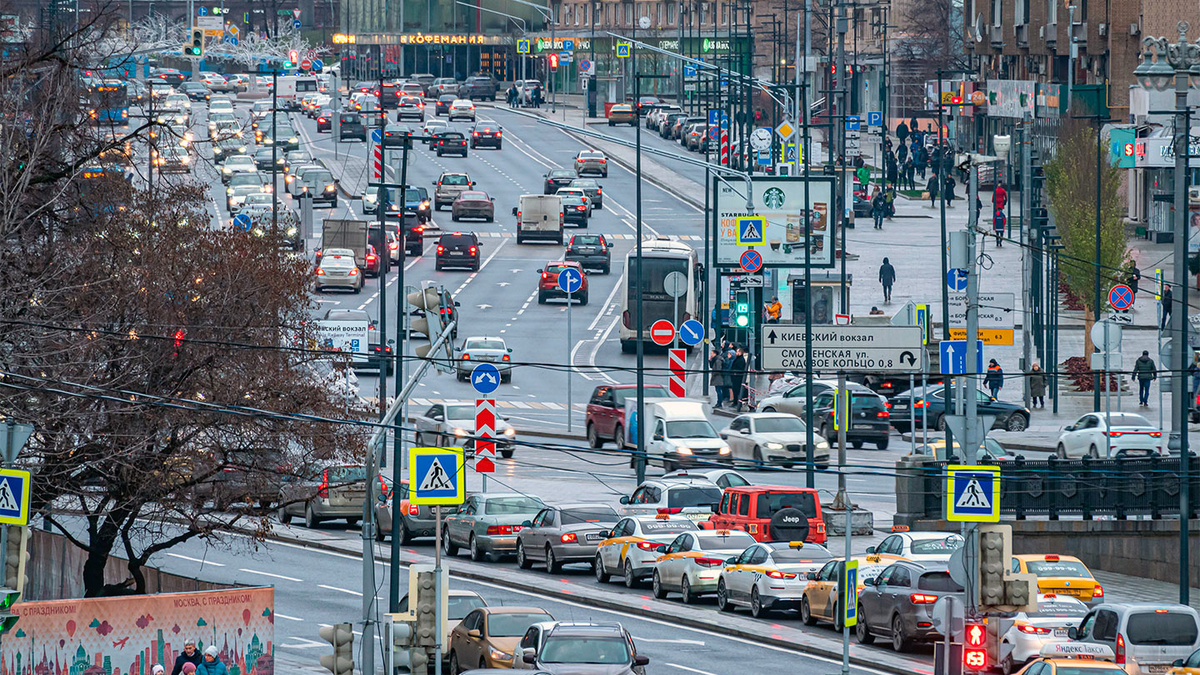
<point x="220" y="106"/>
<point x="255" y="202"/>
<point x="177" y="102"/>
<point x="769" y="576"/>
<point x="692" y="563"/>
<point x="1023" y="635"/>
<point x="692" y="498"/>
<point x="451" y="423"/>
<point x="920" y="546"/>
<point x="461" y="108"/>
<point x="1093" y="434"/>
<point x="760" y="439"/>
<point x="237" y="164"/>
<point x="723" y="478"/>
<point x="633" y="545"/>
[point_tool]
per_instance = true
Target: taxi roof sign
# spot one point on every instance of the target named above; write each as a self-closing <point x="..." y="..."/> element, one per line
<point x="1078" y="650"/>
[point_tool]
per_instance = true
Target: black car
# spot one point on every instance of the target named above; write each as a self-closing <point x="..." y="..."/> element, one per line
<point x="590" y="251"/>
<point x="414" y="234"/>
<point x="287" y="137"/>
<point x="352" y="127"/>
<point x="265" y="157"/>
<point x="451" y="142"/>
<point x="324" y="120"/>
<point x="593" y="190"/>
<point x="929" y="403"/>
<point x="443" y="104"/>
<point x="478" y="87"/>
<point x="195" y="91"/>
<point x="394" y="135"/>
<point x="870" y="421"/>
<point x="557" y="178"/>
<point x="169" y="75"/>
<point x="459" y="249"/>
<point x="486" y="133"/>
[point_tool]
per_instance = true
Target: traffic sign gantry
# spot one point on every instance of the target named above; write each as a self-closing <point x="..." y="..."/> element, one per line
<point x="973" y="494"/>
<point x="751" y="261"/>
<point x="14" y="497"/>
<point x="1120" y="297"/>
<point x="691" y="332"/>
<point x="662" y="332"/>
<point x="848" y="348"/>
<point x="570" y="280"/>
<point x="485" y="378"/>
<point x="436" y="476"/>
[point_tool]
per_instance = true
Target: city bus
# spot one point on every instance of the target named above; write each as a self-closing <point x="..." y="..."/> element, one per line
<point x="108" y="103"/>
<point x="660" y="257"/>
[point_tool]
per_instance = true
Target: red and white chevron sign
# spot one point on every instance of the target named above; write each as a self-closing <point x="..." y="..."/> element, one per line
<point x="485" y="428"/>
<point x="724" y="145"/>
<point x="677" y="361"/>
<point x="377" y="163"/>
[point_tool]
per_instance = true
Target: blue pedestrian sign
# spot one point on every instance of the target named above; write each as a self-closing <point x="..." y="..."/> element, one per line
<point x="568" y="45"/>
<point x="569" y="280"/>
<point x="954" y="357"/>
<point x="1120" y="297"/>
<point x="202" y="10"/>
<point x="750" y="231"/>
<point x="853" y="123"/>
<point x="751" y="261"/>
<point x="789" y="152"/>
<point x="691" y="332"/>
<point x="317" y="64"/>
<point x="436" y="476"/>
<point x="14" y="497"/>
<point x="296" y="24"/>
<point x="623" y="50"/>
<point x="242" y="222"/>
<point x="376" y="136"/>
<point x="874" y="119"/>
<point x="956" y="279"/>
<point x="485" y="378"/>
<point x="850" y="593"/>
<point x="973" y="494"/>
<point x="522" y="46"/>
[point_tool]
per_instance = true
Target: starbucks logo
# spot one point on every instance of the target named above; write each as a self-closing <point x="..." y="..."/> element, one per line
<point x="773" y="198"/>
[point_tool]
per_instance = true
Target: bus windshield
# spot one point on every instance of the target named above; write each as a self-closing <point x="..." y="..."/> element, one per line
<point x="109" y="102"/>
<point x="654" y="271"/>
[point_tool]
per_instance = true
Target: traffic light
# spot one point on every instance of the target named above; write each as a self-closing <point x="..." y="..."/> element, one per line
<point x="195" y="47"/>
<point x="552" y="59"/>
<point x="341" y="636"/>
<point x="16" y="557"/>
<point x="427" y="322"/>
<point x="975" y="647"/>
<point x="426" y="626"/>
<point x="992" y="565"/>
<point x="8" y="597"/>
<point x="741" y="309"/>
<point x="293" y="60"/>
<point x="999" y="589"/>
<point x="405" y="652"/>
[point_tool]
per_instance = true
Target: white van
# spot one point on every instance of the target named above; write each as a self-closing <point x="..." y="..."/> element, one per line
<point x="294" y="87"/>
<point x="1145" y="637"/>
<point x="679" y="433"/>
<point x="539" y="217"/>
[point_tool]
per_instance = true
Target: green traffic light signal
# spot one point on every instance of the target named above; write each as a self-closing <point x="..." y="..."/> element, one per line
<point x="8" y="598"/>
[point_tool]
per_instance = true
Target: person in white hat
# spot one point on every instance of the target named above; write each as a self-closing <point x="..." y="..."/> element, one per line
<point x="212" y="663"/>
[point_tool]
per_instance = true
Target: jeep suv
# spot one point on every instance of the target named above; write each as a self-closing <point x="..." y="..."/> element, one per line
<point x="582" y="647"/>
<point x="770" y="513"/>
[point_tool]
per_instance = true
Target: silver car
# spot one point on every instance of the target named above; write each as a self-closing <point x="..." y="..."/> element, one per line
<point x="564" y="534"/>
<point x="691" y="564"/>
<point x="476" y="350"/>
<point x="335" y="491"/>
<point x="487" y="524"/>
<point x="758" y="439"/>
<point x="591" y="161"/>
<point x="451" y="424"/>
<point x="415" y="520"/>
<point x="339" y="270"/>
<point x="769" y="576"/>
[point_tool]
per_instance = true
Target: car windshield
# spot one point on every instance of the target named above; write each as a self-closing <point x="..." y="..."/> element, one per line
<point x="738" y="540"/>
<point x="573" y="200"/>
<point x="585" y="650"/>
<point x="449" y="240"/>
<point x="586" y="240"/>
<point x="619" y="395"/>
<point x="1161" y="628"/>
<point x="690" y="429"/>
<point x="555" y="268"/>
<point x="321" y="176"/>
<point x="454" y="179"/>
<point x="1129" y="420"/>
<point x="938" y="581"/>
<point x="590" y="514"/>
<point x="591" y="155"/>
<point x="1047" y="609"/>
<point x="485" y="344"/>
<point x="460" y="412"/>
<point x="948" y="544"/>
<point x="562" y="173"/>
<point x="451" y="135"/>
<point x="346" y="474"/>
<point x="771" y="502"/>
<point x="775" y="425"/>
<point x="458" y="606"/>
<point x="512" y="625"/>
<point x="500" y="506"/>
<point x="1058" y="568"/>
<point x="474" y="196"/>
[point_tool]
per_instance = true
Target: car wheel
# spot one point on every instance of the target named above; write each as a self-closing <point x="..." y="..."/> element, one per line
<point x="379" y="534"/>
<point x="454" y="217"/>
<point x="619" y="436"/>
<point x="448" y="547"/>
<point x="607" y="269"/>
<point x="723" y="603"/>
<point x="583" y="299"/>
<point x="756" y="607"/>
<point x="506" y="378"/>
<point x="419" y="440"/>
<point x="758" y="460"/>
<point x="1061" y="451"/>
<point x="806" y="613"/>
<point x="283" y="516"/>
<point x="857" y="445"/>
<point x="552" y="564"/>
<point x="477" y="554"/>
<point x="1093" y="452"/>
<point x="405" y="536"/>
<point x="1006" y="664"/>
<point x="685" y="591"/>
<point x="1017" y="422"/>
<point x="861" y="631"/>
<point x="882" y="445"/>
<point x="768" y="409"/>
<point x="311" y="521"/>
<point x="598" y="567"/>
<point x="523" y="561"/>
<point x="455" y="669"/>
<point x="900" y="642"/>
<point x="594" y="441"/>
<point x="837" y="619"/>
<point x="541" y="298"/>
<point x="657" y="587"/>
<point x="941" y="423"/>
<point x="631" y="581"/>
<point x="668" y="465"/>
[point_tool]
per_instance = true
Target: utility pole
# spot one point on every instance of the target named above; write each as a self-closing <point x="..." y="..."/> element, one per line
<point x="1024" y="144"/>
<point x="401" y="334"/>
<point x="840" y="199"/>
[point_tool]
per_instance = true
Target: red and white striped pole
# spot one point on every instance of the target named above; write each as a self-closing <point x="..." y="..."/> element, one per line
<point x="376" y="154"/>
<point x="485" y="430"/>
<point x="677" y="361"/>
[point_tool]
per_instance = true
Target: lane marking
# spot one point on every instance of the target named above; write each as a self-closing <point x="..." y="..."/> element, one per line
<point x="196" y="560"/>
<point x="289" y="618"/>
<point x="676" y="641"/>
<point x="273" y="576"/>
<point x="690" y="670"/>
<point x="339" y="590"/>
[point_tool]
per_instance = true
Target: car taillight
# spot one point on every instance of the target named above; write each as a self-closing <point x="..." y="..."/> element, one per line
<point x="320" y="271"/>
<point x="1033" y="630"/>
<point x="506" y="357"/>
<point x="413" y="509"/>
<point x="1120" y="649"/>
<point x="1155" y="434"/>
<point x="371" y="257"/>
<point x="670" y="510"/>
<point x="466" y="357"/>
<point x="441" y="249"/>
<point x="1114" y="434"/>
<point x="711" y="562"/>
<point x="320" y="119"/>
<point x="545" y="275"/>
<point x="647" y="545"/>
<point x="503" y="529"/>
<point x="568" y="538"/>
<point x="474" y="133"/>
<point x="922" y="599"/>
<point x="921" y="404"/>
<point x="353" y="271"/>
<point x="472" y="250"/>
<point x="580" y="208"/>
<point x="383" y="486"/>
<point x="625" y="318"/>
<point x="323" y="488"/>
<point x="883" y="414"/>
<point x="604" y="161"/>
<point x="1097" y="591"/>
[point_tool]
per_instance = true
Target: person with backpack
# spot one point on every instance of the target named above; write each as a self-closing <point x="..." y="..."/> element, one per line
<point x="877" y="208"/>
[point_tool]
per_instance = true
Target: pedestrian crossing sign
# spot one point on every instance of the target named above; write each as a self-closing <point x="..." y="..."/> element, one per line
<point x="750" y="231"/>
<point x="14" y="497"/>
<point x="436" y="477"/>
<point x="522" y="46"/>
<point x="623" y="50"/>
<point x="973" y="494"/>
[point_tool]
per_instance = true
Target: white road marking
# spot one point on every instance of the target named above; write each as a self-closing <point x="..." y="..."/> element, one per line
<point x="690" y="670"/>
<point x="308" y="644"/>
<point x="481" y="266"/>
<point x="285" y="616"/>
<point x="197" y="560"/>
<point x="340" y="590"/>
<point x="676" y="641"/>
<point x="273" y="576"/>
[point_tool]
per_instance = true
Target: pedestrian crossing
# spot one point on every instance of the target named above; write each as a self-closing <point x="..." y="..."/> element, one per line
<point x="628" y="237"/>
<point x="513" y="405"/>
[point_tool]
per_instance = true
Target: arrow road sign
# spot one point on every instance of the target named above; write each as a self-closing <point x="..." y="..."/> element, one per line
<point x="1120" y="297"/>
<point x="691" y="332"/>
<point x="954" y="357"/>
<point x="662" y="332"/>
<point x="296" y="24"/>
<point x="956" y="279"/>
<point x="485" y="378"/>
<point x="436" y="476"/>
<point x="569" y="280"/>
<point x="242" y="222"/>
<point x="317" y="64"/>
<point x="894" y="349"/>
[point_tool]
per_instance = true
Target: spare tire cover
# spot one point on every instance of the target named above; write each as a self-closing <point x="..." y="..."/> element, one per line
<point x="789" y="525"/>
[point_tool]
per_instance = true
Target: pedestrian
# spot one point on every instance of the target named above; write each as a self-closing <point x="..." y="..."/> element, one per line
<point x="537" y="96"/>
<point x="902" y="153"/>
<point x="774" y="310"/>
<point x="727" y="356"/>
<point x="189" y="668"/>
<point x="906" y="175"/>
<point x="864" y="176"/>
<point x="902" y="132"/>
<point x="1133" y="277"/>
<point x="994" y="380"/>
<point x="716" y="365"/>
<point x="1145" y="372"/>
<point x="158" y="669"/>
<point x="212" y="664"/>
<point x="188" y="655"/>
<point x="932" y="188"/>
<point x="887" y="277"/>
<point x="912" y="126"/>
<point x="978" y="210"/>
<point x="889" y="201"/>
<point x="892" y="174"/>
<point x="738" y="372"/>
<point x="878" y="208"/>
<point x="948" y="192"/>
<point x="1165" y="302"/>
<point x="1037" y="386"/>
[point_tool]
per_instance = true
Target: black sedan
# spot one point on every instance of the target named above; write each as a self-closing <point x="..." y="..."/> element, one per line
<point x="486" y="133"/>
<point x="443" y="104"/>
<point x="394" y="135"/>
<point x="450" y="142"/>
<point x="592" y="188"/>
<point x="325" y="120"/>
<point x="869" y="418"/>
<point x="929" y="404"/>
<point x="591" y="251"/>
<point x="557" y="178"/>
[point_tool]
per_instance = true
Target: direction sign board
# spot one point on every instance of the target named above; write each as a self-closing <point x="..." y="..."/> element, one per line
<point x="522" y="46"/>
<point x="895" y="349"/>
<point x="997" y="318"/>
<point x="972" y="494"/>
<point x="1120" y="297"/>
<point x="714" y="117"/>
<point x="569" y="280"/>
<point x="436" y="476"/>
<point x="691" y="332"/>
<point x="751" y="261"/>
<point x="954" y="357"/>
<point x="662" y="332"/>
<point x="296" y="24"/>
<point x="14" y="497"/>
<point x="485" y="378"/>
<point x="850" y="593"/>
<point x="242" y="222"/>
<point x="343" y="336"/>
<point x="210" y="23"/>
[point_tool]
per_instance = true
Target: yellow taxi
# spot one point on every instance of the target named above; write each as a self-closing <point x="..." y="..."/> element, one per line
<point x="1061" y="575"/>
<point x="1073" y="658"/>
<point x="632" y="547"/>
<point x="819" y="601"/>
<point x="1188" y="666"/>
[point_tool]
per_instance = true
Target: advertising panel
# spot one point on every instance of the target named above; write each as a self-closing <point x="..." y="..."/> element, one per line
<point x="782" y="224"/>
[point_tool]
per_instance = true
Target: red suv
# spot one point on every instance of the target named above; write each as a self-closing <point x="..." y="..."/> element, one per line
<point x="606" y="411"/>
<point x="770" y="513"/>
<point x="548" y="282"/>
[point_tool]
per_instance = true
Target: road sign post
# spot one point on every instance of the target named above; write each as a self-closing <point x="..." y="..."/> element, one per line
<point x="675" y="284"/>
<point x="570" y="280"/>
<point x="662" y="332"/>
<point x="485" y="431"/>
<point x="677" y="362"/>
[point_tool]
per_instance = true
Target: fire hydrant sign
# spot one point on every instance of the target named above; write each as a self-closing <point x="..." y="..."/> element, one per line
<point x="895" y="349"/>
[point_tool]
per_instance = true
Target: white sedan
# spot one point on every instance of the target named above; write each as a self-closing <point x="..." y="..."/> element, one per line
<point x="920" y="546"/>
<point x="763" y="438"/>
<point x="452" y="424"/>
<point x="1023" y="635"/>
<point x="692" y="563"/>
<point x="461" y="108"/>
<point x="1098" y="435"/>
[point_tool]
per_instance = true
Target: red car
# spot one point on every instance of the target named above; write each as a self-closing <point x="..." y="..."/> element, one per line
<point x="606" y="411"/>
<point x="548" y="282"/>
<point x="373" y="262"/>
<point x="770" y="513"/>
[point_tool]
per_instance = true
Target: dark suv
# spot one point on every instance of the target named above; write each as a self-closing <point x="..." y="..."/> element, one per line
<point x="606" y="411"/>
<point x="870" y="421"/>
<point x="486" y="133"/>
<point x="583" y="648"/>
<point x="458" y="249"/>
<point x="352" y="127"/>
<point x="414" y="234"/>
<point x="478" y="87"/>
<point x="557" y="178"/>
<point x="590" y="250"/>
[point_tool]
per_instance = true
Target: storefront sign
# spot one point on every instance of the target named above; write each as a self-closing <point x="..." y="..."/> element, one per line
<point x="711" y="45"/>
<point x="344" y="39"/>
<point x="440" y="39"/>
<point x="543" y="44"/>
<point x="1159" y="153"/>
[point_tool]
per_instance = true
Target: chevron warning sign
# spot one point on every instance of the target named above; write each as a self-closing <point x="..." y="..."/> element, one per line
<point x="677" y="361"/>
<point x="485" y="430"/>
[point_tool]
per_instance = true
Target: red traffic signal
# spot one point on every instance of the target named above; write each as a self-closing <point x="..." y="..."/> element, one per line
<point x="975" y="647"/>
<point x="552" y="59"/>
<point x="294" y="56"/>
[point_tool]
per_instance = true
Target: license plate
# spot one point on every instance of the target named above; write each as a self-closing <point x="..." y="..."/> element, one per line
<point x="1158" y="668"/>
<point x="697" y="517"/>
<point x="1060" y="632"/>
<point x="594" y="536"/>
<point x="456" y="252"/>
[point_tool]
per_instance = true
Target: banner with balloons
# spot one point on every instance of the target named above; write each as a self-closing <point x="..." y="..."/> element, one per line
<point x="129" y="635"/>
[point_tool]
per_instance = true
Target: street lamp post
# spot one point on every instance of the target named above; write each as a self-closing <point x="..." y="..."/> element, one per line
<point x="1162" y="62"/>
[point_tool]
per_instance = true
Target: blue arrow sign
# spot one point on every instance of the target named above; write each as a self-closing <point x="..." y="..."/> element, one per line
<point x="202" y="11"/>
<point x="874" y="119"/>
<point x="242" y="222"/>
<point x="569" y="280"/>
<point x="317" y="64"/>
<point x="232" y="40"/>
<point x="691" y="332"/>
<point x="376" y="136"/>
<point x="714" y="116"/>
<point x="296" y="24"/>
<point x="956" y="279"/>
<point x="485" y="378"/>
<point x="954" y="357"/>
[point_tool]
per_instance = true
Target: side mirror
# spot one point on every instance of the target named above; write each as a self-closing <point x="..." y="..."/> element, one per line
<point x="731" y="561"/>
<point x="474" y="633"/>
<point x="529" y="656"/>
<point x="811" y="576"/>
<point x="527" y="523"/>
<point x="870" y="550"/>
<point x="1178" y="663"/>
<point x="640" y="660"/>
<point x="1073" y="633"/>
<point x="1069" y="427"/>
<point x="435" y="183"/>
<point x="510" y="350"/>
<point x="624" y="499"/>
<point x="869" y="581"/>
<point x="539" y="271"/>
<point x="658" y="437"/>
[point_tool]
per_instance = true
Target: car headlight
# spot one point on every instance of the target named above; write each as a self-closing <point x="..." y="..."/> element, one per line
<point x="822" y="445"/>
<point x="330" y="188"/>
<point x="683" y="450"/>
<point x="724" y="450"/>
<point x="241" y="149"/>
<point x="228" y="191"/>
<point x="425" y="204"/>
<point x="293" y="139"/>
<point x="510" y="432"/>
<point x="499" y="655"/>
<point x="460" y="432"/>
<point x="774" y="446"/>
<point x="217" y="150"/>
<point x="227" y="170"/>
<point x="291" y="232"/>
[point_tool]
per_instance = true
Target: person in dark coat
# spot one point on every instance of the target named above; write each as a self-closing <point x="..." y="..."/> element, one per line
<point x="1145" y="372"/>
<point x="189" y="655"/>
<point x="212" y="665"/>
<point x="1166" y="307"/>
<point x="887" y="277"/>
<point x="932" y="188"/>
<point x="902" y="132"/>
<point x="1037" y="386"/>
<point x="878" y="208"/>
<point x="901" y="153"/>
<point x="1133" y="277"/>
<point x="908" y="176"/>
<point x="994" y="380"/>
<point x="737" y="373"/>
<point x="716" y="365"/>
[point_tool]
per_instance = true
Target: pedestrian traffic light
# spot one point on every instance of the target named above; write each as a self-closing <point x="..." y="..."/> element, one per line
<point x="15" y="558"/>
<point x="741" y="309"/>
<point x="552" y="59"/>
<point x="427" y="598"/>
<point x="341" y="636"/>
<point x="975" y="647"/>
<point x="195" y="47"/>
<point x="8" y="597"/>
<point x="293" y="60"/>
<point x="405" y="652"/>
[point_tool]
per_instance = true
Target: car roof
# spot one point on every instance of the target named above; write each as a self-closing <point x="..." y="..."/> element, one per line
<point x="1041" y="557"/>
<point x="512" y="609"/>
<point x="588" y="629"/>
<point x="769" y="488"/>
<point x="766" y="415"/>
<point x="677" y="481"/>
